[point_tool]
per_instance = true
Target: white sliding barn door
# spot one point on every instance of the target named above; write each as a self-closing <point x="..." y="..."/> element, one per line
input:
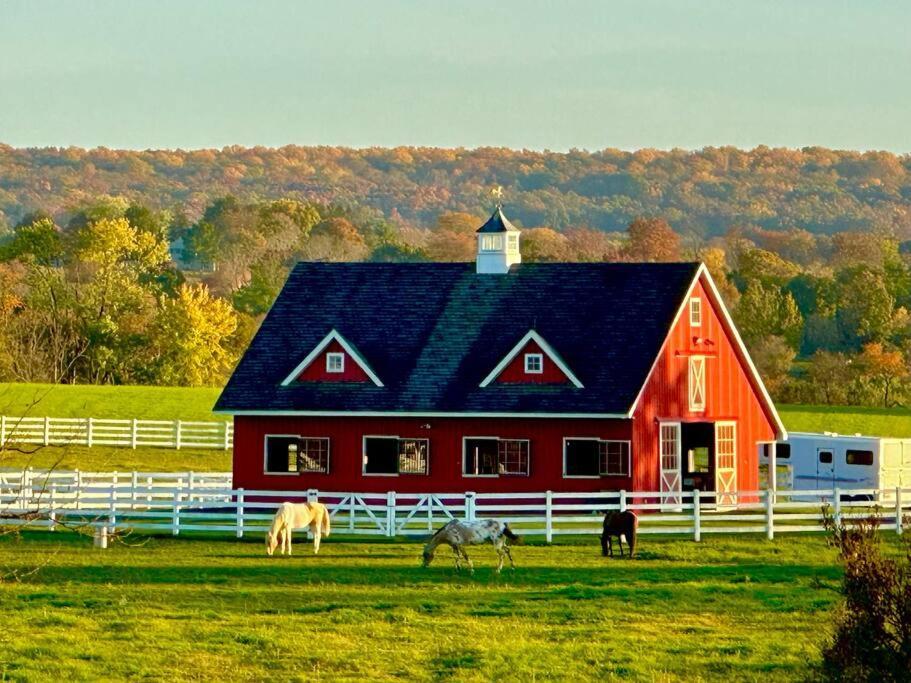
<point x="669" y="444"/>
<point x="726" y="463"/>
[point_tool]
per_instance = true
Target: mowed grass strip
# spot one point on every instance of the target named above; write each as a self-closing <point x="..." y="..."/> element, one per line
<point x="178" y="609"/>
<point x="107" y="401"/>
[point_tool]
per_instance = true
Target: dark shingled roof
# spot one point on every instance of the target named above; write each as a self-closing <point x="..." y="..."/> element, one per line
<point x="432" y="332"/>
<point x="497" y="223"/>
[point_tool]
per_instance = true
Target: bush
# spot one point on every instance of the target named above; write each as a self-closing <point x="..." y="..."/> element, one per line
<point x="872" y="640"/>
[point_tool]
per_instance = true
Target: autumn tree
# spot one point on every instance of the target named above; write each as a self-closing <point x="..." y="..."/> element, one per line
<point x="765" y="310"/>
<point x="830" y="375"/>
<point x="885" y="369"/>
<point x="190" y="338"/>
<point x="865" y="306"/>
<point x="543" y="245"/>
<point x="773" y="357"/>
<point x="454" y="238"/>
<point x="335" y="239"/>
<point x="653" y="240"/>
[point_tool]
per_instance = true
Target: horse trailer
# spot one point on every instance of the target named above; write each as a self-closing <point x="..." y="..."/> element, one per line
<point x="828" y="461"/>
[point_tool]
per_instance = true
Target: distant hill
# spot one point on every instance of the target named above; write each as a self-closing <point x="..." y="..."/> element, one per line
<point x="705" y="192"/>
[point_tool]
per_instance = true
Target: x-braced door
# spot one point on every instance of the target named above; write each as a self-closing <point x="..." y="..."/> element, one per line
<point x="726" y="463"/>
<point x="670" y="463"/>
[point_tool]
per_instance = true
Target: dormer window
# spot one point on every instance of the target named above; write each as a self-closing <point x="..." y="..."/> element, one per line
<point x="534" y="363"/>
<point x="335" y="362"/>
<point x="695" y="312"/>
<point x="513" y="241"/>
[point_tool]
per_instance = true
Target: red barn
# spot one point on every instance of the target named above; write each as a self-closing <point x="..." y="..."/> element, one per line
<point x="498" y="376"/>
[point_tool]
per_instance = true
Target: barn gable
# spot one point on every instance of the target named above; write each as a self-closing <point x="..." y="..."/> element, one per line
<point x="532" y="361"/>
<point x="333" y="359"/>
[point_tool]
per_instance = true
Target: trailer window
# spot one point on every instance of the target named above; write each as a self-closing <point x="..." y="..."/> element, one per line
<point x="853" y="457"/>
<point x="825" y="457"/>
<point x="392" y="455"/>
<point x="783" y="450"/>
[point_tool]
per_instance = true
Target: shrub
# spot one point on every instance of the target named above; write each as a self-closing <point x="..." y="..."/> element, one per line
<point x="872" y="640"/>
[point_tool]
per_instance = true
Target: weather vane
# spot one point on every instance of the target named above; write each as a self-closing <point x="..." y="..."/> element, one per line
<point x="497" y="193"/>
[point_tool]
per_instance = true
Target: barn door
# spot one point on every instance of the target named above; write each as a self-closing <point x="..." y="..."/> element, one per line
<point x="726" y="463"/>
<point x="670" y="463"/>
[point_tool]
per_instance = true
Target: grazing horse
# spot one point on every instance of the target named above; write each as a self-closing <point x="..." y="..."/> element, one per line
<point x="619" y="524"/>
<point x="292" y="516"/>
<point x="457" y="534"/>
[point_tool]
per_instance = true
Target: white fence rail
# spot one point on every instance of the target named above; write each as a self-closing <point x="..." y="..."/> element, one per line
<point x="196" y="502"/>
<point x="92" y="431"/>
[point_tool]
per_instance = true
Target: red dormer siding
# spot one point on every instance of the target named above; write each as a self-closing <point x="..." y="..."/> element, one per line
<point x="514" y="373"/>
<point x="316" y="371"/>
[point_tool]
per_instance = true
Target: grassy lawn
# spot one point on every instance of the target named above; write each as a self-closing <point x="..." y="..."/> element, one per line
<point x="847" y="420"/>
<point x="116" y="402"/>
<point x="177" y="609"/>
<point x="111" y="459"/>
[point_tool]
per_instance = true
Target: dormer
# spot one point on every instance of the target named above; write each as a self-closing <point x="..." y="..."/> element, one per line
<point x="334" y="359"/>
<point x="498" y="244"/>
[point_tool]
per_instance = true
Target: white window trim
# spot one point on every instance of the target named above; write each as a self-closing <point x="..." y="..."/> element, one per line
<point x="629" y="457"/>
<point x="318" y="349"/>
<point x="465" y="440"/>
<point x="695" y="383"/>
<point x="531" y="335"/>
<point x="696" y="304"/>
<point x="266" y="438"/>
<point x="540" y="358"/>
<point x="365" y="473"/>
<point x="332" y="355"/>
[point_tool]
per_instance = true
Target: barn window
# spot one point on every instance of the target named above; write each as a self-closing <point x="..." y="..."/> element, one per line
<point x="595" y="458"/>
<point x="695" y="312"/>
<point x="491" y="457"/>
<point x="335" y="362"/>
<point x="534" y="363"/>
<point x="853" y="457"/>
<point x="696" y="382"/>
<point x="391" y="455"/>
<point x="290" y="454"/>
<point x="491" y="243"/>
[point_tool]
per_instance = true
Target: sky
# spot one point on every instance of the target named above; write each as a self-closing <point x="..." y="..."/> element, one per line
<point x="536" y="75"/>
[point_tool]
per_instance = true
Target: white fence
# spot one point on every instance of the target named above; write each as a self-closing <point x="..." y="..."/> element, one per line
<point x="92" y="431"/>
<point x="193" y="502"/>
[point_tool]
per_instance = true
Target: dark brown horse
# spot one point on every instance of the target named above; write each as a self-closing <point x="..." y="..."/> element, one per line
<point x="619" y="524"/>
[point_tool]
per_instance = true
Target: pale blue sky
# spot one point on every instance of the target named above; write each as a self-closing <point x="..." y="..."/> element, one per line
<point x="556" y="75"/>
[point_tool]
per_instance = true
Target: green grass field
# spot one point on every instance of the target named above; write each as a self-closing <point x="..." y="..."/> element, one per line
<point x="179" y="609"/>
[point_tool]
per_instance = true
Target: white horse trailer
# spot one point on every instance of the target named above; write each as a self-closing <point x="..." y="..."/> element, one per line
<point x="829" y="461"/>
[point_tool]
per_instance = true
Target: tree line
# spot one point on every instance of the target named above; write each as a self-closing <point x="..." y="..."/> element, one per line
<point x="702" y="192"/>
<point x="113" y="291"/>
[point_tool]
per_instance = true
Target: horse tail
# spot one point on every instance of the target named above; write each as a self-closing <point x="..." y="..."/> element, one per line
<point x="509" y="533"/>
<point x="325" y="520"/>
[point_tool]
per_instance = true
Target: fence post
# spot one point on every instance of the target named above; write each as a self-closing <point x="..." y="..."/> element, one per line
<point x="47" y="431"/>
<point x="697" y="517"/>
<point x="2" y="430"/>
<point x="227" y="435"/>
<point x="240" y="513"/>
<point x="89" y="436"/>
<point x="312" y="497"/>
<point x="52" y="517"/>
<point x="78" y="496"/>
<point x="175" y="512"/>
<point x="622" y="500"/>
<point x="770" y="514"/>
<point x="390" y="513"/>
<point x="899" y="522"/>
<point x="134" y="480"/>
<point x="191" y="484"/>
<point x="548" y="516"/>
<point x="352" y="503"/>
<point x="177" y="435"/>
<point x="133" y="426"/>
<point x="112" y="512"/>
<point x="469" y="506"/>
<point x="837" y="501"/>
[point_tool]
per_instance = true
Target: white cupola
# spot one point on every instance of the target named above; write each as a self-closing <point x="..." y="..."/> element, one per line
<point x="498" y="244"/>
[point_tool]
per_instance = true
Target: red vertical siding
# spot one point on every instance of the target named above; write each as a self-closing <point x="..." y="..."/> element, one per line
<point x="445" y="434"/>
<point x="730" y="395"/>
<point x="514" y="373"/>
<point x="316" y="371"/>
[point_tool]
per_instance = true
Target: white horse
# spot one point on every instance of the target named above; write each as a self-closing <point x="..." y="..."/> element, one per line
<point x="292" y="516"/>
<point x="457" y="534"/>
